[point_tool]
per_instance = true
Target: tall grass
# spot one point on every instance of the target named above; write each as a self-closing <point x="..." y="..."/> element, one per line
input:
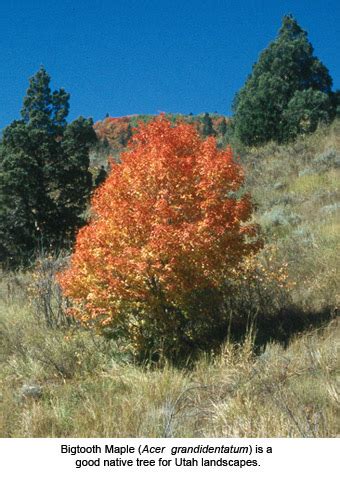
<point x="87" y="390"/>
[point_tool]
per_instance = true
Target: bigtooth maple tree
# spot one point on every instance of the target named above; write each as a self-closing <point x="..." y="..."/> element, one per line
<point x="168" y="222"/>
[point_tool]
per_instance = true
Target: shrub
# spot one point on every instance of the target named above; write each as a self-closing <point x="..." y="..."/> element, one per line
<point x="47" y="301"/>
<point x="167" y="229"/>
<point x="279" y="216"/>
<point x="326" y="160"/>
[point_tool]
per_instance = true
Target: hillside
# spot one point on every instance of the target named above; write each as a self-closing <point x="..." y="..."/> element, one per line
<point x="59" y="380"/>
<point x="296" y="188"/>
<point x="114" y="133"/>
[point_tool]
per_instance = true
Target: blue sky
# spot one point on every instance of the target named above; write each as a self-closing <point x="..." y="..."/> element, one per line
<point x="146" y="56"/>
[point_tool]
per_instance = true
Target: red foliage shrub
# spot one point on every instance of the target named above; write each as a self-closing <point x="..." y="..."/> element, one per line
<point x="165" y="224"/>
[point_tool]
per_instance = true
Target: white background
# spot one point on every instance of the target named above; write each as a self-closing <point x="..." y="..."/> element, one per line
<point x="290" y="458"/>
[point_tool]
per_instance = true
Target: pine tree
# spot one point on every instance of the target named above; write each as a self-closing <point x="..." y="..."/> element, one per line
<point x="222" y="127"/>
<point x="285" y="68"/>
<point x="304" y="111"/>
<point x="44" y="174"/>
<point x="125" y="135"/>
<point x="207" y="129"/>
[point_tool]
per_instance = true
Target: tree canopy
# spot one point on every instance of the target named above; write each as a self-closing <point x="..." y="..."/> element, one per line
<point x="166" y="226"/>
<point x="287" y="75"/>
<point x="44" y="174"/>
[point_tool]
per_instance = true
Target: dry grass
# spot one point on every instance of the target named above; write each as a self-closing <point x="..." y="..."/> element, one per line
<point x="296" y="188"/>
<point x="88" y="392"/>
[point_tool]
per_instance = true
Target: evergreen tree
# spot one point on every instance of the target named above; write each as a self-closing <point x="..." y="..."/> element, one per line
<point x="125" y="136"/>
<point x="207" y="129"/>
<point x="44" y="174"/>
<point x="222" y="127"/>
<point x="284" y="69"/>
<point x="128" y="133"/>
<point x="304" y="111"/>
<point x="335" y="100"/>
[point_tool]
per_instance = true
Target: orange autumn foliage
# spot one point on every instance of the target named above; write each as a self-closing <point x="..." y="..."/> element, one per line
<point x="113" y="130"/>
<point x="165" y="223"/>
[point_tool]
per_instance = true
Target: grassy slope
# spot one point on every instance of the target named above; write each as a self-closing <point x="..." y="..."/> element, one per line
<point x="87" y="390"/>
<point x="296" y="188"/>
